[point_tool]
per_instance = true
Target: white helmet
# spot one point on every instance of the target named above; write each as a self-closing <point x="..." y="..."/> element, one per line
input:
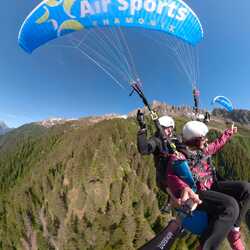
<point x="194" y="129"/>
<point x="166" y="121"/>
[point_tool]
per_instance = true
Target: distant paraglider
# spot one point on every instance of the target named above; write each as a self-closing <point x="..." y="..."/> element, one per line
<point x="224" y="102"/>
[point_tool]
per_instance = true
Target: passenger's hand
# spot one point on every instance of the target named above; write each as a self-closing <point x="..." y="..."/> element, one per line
<point x="187" y="195"/>
<point x="234" y="129"/>
<point x="174" y="202"/>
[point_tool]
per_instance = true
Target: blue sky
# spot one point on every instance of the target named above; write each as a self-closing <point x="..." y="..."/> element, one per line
<point x="54" y="82"/>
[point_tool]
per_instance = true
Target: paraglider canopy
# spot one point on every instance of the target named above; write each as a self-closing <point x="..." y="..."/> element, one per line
<point x="55" y="18"/>
<point x="224" y="102"/>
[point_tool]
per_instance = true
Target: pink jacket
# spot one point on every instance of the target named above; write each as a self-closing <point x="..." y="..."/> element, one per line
<point x="176" y="184"/>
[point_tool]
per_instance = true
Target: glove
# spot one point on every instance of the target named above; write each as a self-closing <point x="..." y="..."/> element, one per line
<point x="140" y="119"/>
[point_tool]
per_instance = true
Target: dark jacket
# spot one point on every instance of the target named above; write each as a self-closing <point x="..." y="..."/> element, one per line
<point x="154" y="145"/>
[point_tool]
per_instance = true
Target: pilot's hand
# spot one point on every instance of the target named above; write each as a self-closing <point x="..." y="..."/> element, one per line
<point x="140" y="118"/>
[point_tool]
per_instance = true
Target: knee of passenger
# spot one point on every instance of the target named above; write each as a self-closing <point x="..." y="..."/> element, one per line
<point x="232" y="208"/>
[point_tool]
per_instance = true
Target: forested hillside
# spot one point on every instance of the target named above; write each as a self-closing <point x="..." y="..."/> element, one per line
<point x="81" y="185"/>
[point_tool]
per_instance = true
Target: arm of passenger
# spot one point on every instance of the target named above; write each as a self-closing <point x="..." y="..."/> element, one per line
<point x="176" y="185"/>
<point x="181" y="182"/>
<point x="216" y="145"/>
